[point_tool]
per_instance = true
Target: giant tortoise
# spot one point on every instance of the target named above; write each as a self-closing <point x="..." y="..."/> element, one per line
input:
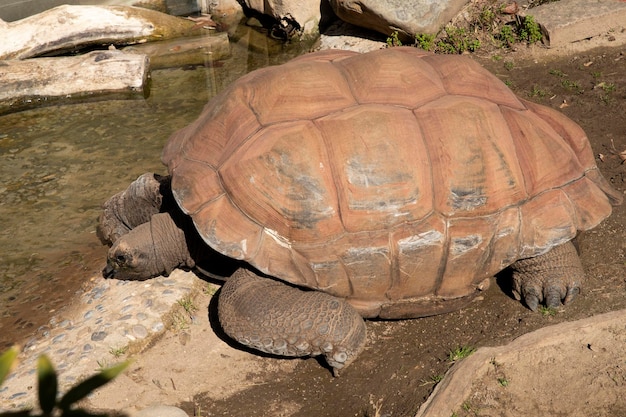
<point x="391" y="184"/>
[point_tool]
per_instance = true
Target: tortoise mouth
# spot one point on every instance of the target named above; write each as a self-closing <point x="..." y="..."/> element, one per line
<point x="109" y="271"/>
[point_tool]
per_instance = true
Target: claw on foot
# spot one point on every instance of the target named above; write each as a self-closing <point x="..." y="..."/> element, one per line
<point x="553" y="278"/>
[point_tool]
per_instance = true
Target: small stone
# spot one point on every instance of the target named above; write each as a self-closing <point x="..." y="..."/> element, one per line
<point x="87" y="347"/>
<point x="65" y="323"/>
<point x="141" y="316"/>
<point x="126" y="317"/>
<point x="157" y="327"/>
<point x="44" y="331"/>
<point x="88" y="315"/>
<point x="140" y="331"/>
<point x="127" y="308"/>
<point x="98" y="336"/>
<point x="58" y="338"/>
<point x="20" y="395"/>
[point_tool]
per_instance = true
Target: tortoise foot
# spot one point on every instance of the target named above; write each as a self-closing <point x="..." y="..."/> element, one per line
<point x="552" y="278"/>
<point x="131" y="207"/>
<point x="280" y="319"/>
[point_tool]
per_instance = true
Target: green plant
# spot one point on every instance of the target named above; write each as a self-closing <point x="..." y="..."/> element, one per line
<point x="572" y="85"/>
<point x="187" y="304"/>
<point x="210" y="289"/>
<point x="117" y="352"/>
<point x="460" y="352"/>
<point x="509" y="65"/>
<point x="432" y="380"/>
<point x="394" y="40"/>
<point x="457" y="41"/>
<point x="607" y="87"/>
<point x="47" y="390"/>
<point x="487" y="18"/>
<point x="506" y="36"/>
<point x="547" y="311"/>
<point x="557" y="73"/>
<point x="425" y="41"/>
<point x="529" y="30"/>
<point x="503" y="382"/>
<point x="537" y="92"/>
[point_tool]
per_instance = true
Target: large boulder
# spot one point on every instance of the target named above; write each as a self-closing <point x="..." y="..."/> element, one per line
<point x="407" y="17"/>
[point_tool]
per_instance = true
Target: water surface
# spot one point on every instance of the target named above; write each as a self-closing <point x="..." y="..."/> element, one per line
<point x="58" y="164"/>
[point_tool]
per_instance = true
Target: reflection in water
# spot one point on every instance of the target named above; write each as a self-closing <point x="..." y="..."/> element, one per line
<point x="58" y="164"/>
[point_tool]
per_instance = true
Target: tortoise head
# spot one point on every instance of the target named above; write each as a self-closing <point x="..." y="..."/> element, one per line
<point x="129" y="261"/>
<point x="151" y="249"/>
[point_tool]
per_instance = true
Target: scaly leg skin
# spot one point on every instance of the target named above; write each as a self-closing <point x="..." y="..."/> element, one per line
<point x="276" y="318"/>
<point x="132" y="207"/>
<point x="552" y="277"/>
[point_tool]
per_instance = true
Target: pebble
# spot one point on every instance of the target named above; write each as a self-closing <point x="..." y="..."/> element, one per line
<point x="107" y="316"/>
<point x="140" y="331"/>
<point x="98" y="336"/>
<point x="127" y="308"/>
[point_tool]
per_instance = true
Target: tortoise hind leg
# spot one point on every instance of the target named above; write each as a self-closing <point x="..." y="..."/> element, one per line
<point x="276" y="318"/>
<point x="552" y="277"/>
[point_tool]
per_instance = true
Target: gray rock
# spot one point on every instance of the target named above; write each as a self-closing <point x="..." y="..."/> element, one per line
<point x="407" y="17"/>
<point x="574" y="20"/>
<point x="98" y="336"/>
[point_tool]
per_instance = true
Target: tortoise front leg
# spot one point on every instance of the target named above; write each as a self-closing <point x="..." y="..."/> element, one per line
<point x="132" y="207"/>
<point x="551" y="278"/>
<point x="276" y="318"/>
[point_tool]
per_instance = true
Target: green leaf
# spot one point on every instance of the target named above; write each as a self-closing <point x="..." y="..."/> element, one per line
<point x="91" y="384"/>
<point x="47" y="379"/>
<point x="7" y="362"/>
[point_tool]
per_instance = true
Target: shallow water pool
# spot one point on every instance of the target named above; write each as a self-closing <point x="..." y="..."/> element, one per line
<point x="58" y="164"/>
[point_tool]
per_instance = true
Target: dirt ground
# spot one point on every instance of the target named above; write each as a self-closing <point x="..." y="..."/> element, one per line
<point x="195" y="367"/>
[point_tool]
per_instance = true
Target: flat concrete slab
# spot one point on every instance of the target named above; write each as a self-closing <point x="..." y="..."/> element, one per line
<point x="575" y="368"/>
<point x="568" y="21"/>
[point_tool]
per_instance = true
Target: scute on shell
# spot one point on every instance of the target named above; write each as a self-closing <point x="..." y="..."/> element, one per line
<point x="396" y="179"/>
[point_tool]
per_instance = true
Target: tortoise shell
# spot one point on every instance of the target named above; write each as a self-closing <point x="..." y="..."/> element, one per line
<point x="397" y="179"/>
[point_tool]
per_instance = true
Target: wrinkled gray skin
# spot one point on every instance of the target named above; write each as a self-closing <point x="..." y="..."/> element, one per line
<point x="150" y="236"/>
